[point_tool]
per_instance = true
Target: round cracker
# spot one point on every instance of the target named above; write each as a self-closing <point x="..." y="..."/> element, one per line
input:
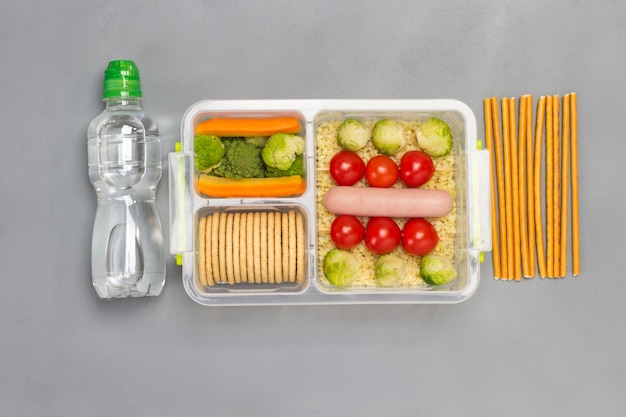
<point x="292" y="246"/>
<point x="278" y="255"/>
<point x="222" y="248"/>
<point x="229" y="249"/>
<point x="215" y="228"/>
<point x="243" y="252"/>
<point x="257" y="247"/>
<point x="236" y="227"/>
<point x="285" y="244"/>
<point x="207" y="251"/>
<point x="250" y="247"/>
<point x="300" y="248"/>
<point x="271" y="277"/>
<point x="263" y="246"/>
<point x="201" y="251"/>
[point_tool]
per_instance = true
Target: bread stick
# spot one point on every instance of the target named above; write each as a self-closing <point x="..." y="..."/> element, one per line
<point x="541" y="255"/>
<point x="500" y="187"/>
<point x="494" y="215"/>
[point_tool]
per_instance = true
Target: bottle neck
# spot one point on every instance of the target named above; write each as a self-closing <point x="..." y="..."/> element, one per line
<point x="113" y="103"/>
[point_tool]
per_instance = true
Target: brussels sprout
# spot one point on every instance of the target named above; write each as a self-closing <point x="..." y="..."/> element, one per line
<point x="340" y="267"/>
<point x="352" y="135"/>
<point x="388" y="137"/>
<point x="281" y="149"/>
<point x="436" y="270"/>
<point x="435" y="137"/>
<point x="388" y="269"/>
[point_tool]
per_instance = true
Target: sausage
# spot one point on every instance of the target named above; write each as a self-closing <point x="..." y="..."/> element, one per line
<point x="387" y="202"/>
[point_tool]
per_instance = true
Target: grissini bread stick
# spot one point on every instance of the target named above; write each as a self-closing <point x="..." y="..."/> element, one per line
<point x="500" y="183"/>
<point x="549" y="189"/>
<point x="508" y="185"/>
<point x="531" y="190"/>
<point x="556" y="137"/>
<point x="574" y="173"/>
<point x="494" y="215"/>
<point x="523" y="214"/>
<point x="517" y="259"/>
<point x="564" y="184"/>
<point x="541" y="255"/>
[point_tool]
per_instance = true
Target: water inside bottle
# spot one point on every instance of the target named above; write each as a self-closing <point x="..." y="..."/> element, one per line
<point x="121" y="156"/>
<point x="127" y="243"/>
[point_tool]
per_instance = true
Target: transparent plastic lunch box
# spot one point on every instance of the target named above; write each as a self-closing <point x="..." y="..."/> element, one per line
<point x="188" y="207"/>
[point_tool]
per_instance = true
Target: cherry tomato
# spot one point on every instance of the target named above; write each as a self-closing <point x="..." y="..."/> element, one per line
<point x="346" y="168"/>
<point x="382" y="235"/>
<point x="416" y="168"/>
<point x="419" y="237"/>
<point x="346" y="231"/>
<point x="381" y="171"/>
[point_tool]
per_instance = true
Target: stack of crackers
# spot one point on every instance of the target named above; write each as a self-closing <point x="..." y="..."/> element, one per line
<point x="254" y="247"/>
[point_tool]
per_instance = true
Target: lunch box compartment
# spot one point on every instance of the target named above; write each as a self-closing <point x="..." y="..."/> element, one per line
<point x="249" y="257"/>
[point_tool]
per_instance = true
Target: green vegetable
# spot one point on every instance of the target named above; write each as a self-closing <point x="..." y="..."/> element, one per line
<point x="340" y="267"/>
<point x="352" y="135"/>
<point x="388" y="136"/>
<point x="281" y="150"/>
<point x="388" y="269"/>
<point x="297" y="168"/>
<point x="435" y="137"/>
<point x="436" y="270"/>
<point x="241" y="160"/>
<point x="209" y="152"/>
<point x="258" y="141"/>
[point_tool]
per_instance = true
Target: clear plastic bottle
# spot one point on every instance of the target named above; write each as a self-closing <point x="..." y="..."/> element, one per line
<point x="124" y="155"/>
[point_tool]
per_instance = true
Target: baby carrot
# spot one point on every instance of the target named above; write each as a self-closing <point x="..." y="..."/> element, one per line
<point x="226" y="126"/>
<point x="212" y="186"/>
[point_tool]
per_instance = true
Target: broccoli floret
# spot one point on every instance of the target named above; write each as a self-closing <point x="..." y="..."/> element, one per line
<point x="258" y="141"/>
<point x="209" y="151"/>
<point x="241" y="160"/>
<point x="281" y="150"/>
<point x="297" y="168"/>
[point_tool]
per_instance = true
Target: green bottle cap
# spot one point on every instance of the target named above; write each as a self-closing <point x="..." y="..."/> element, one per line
<point x="121" y="79"/>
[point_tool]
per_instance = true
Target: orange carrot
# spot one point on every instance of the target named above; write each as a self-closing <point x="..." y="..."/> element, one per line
<point x="211" y="186"/>
<point x="226" y="126"/>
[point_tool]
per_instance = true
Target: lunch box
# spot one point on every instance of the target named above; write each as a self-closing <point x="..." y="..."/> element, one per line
<point x="188" y="207"/>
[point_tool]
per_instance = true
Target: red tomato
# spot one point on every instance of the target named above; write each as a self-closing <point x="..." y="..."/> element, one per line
<point x="381" y="171"/>
<point x="382" y="235"/>
<point x="346" y="168"/>
<point x="346" y="232"/>
<point x="419" y="237"/>
<point x="416" y="168"/>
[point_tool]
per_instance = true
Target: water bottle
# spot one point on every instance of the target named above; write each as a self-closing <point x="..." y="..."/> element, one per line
<point x="124" y="156"/>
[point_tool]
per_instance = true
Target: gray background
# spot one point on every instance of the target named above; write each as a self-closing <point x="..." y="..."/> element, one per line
<point x="539" y="347"/>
